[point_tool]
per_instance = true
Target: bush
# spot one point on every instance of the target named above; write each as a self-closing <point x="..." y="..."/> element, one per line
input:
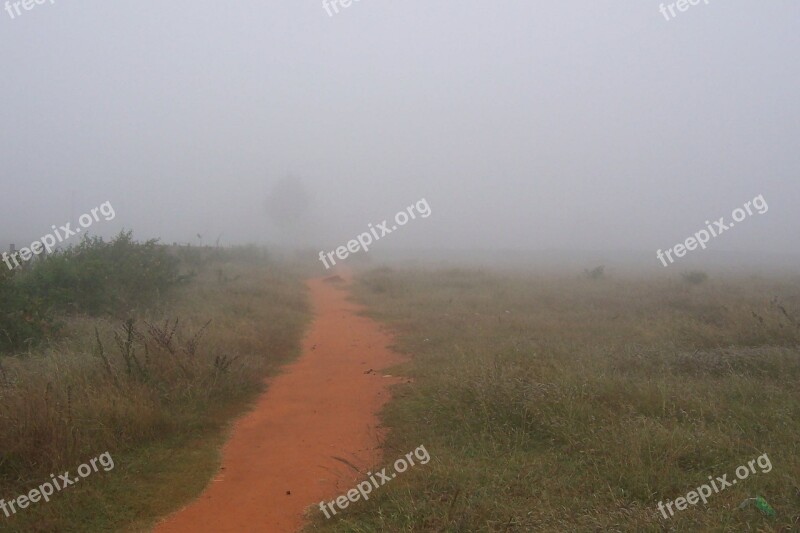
<point x="98" y="277"/>
<point x="24" y="320"/>
<point x="595" y="273"/>
<point x="695" y="277"/>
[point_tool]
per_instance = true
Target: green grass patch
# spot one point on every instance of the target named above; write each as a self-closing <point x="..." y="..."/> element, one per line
<point x="554" y="403"/>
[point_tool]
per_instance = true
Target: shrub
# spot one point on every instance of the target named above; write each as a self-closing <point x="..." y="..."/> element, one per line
<point x="23" y="320"/>
<point x="595" y="273"/>
<point x="98" y="277"/>
<point x="695" y="277"/>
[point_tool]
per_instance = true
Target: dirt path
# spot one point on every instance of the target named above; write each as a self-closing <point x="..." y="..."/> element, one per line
<point x="282" y="456"/>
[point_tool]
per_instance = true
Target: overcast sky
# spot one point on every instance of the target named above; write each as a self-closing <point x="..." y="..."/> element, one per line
<point x="527" y="125"/>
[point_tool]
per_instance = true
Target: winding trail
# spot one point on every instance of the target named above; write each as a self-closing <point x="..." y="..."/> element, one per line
<point x="290" y="452"/>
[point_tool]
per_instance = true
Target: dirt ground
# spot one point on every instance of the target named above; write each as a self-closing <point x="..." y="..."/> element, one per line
<point x="292" y="450"/>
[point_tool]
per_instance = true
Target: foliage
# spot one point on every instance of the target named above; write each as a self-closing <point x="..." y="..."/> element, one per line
<point x="24" y="320"/>
<point x="98" y="277"/>
<point x="695" y="277"/>
<point x="595" y="273"/>
<point x="150" y="390"/>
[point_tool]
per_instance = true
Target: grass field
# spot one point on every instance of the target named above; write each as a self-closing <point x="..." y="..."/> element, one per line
<point x="546" y="402"/>
<point x="158" y="402"/>
<point x="564" y="403"/>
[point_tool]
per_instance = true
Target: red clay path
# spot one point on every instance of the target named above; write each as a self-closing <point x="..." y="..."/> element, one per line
<point x="284" y="456"/>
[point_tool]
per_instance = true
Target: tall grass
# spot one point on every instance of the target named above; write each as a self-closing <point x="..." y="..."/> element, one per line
<point x="555" y="403"/>
<point x="147" y="385"/>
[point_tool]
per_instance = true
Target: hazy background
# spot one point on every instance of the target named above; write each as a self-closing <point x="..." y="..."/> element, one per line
<point x="575" y="126"/>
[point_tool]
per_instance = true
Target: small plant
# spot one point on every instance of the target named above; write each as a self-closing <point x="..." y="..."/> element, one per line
<point x="223" y="363"/>
<point x="161" y="342"/>
<point x="127" y="348"/>
<point x="163" y="337"/>
<point x="695" y="277"/>
<point x="777" y="304"/>
<point x="595" y="273"/>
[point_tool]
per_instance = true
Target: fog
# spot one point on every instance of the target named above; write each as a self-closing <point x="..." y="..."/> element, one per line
<point x="528" y="127"/>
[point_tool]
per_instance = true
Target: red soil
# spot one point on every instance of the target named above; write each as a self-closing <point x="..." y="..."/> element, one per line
<point x="285" y="455"/>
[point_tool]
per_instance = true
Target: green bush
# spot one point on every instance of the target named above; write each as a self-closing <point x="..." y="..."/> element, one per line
<point x="94" y="277"/>
<point x="24" y="320"/>
<point x="98" y="277"/>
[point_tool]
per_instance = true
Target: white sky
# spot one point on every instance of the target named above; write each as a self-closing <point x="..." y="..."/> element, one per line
<point x="527" y="125"/>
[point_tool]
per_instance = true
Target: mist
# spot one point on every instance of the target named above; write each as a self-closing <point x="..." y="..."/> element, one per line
<point x="603" y="129"/>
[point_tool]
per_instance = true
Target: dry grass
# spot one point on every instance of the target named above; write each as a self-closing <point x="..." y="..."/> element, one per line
<point x="555" y="403"/>
<point x="157" y="399"/>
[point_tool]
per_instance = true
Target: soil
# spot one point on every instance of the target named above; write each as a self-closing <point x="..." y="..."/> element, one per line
<point x="308" y="433"/>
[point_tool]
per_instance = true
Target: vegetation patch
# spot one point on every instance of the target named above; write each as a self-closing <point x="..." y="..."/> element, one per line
<point x="555" y="403"/>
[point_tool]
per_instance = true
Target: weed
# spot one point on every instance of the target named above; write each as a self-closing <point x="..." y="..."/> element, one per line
<point x="694" y="277"/>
